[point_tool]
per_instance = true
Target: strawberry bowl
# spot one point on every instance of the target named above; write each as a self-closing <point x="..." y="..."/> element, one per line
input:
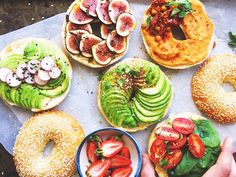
<point x="109" y="152"/>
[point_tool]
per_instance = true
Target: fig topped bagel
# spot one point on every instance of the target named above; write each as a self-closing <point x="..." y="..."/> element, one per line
<point x="34" y="74"/>
<point x="96" y="33"/>
<point x="160" y="19"/>
<point x="134" y="94"/>
<point x="185" y="144"/>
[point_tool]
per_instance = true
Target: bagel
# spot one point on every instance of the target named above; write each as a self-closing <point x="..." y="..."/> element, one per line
<point x="142" y="99"/>
<point x="179" y="54"/>
<point x="207" y="92"/>
<point x="94" y="27"/>
<point x="210" y="130"/>
<point x="41" y="97"/>
<point x="33" y="137"/>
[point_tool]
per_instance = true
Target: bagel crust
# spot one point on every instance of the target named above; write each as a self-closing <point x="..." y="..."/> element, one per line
<point x="33" y="137"/>
<point x="179" y="54"/>
<point x="207" y="92"/>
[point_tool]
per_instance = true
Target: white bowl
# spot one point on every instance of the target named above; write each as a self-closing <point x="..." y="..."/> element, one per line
<point x="82" y="162"/>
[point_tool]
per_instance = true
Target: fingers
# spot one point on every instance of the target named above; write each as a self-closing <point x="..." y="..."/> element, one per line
<point x="222" y="168"/>
<point x="147" y="167"/>
<point x="228" y="145"/>
<point x="233" y="168"/>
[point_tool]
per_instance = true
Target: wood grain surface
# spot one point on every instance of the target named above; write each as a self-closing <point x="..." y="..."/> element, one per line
<point x="15" y="14"/>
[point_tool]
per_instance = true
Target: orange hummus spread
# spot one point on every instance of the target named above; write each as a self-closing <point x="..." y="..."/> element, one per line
<point x="170" y="52"/>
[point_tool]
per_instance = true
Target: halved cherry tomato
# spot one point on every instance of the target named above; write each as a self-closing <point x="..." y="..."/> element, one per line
<point x="173" y="159"/>
<point x="178" y="143"/>
<point x="157" y="150"/>
<point x="167" y="133"/>
<point x="183" y="125"/>
<point x="196" y="146"/>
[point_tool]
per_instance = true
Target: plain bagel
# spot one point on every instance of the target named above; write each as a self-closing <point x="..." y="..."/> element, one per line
<point x="33" y="137"/>
<point x="179" y="54"/>
<point x="207" y="92"/>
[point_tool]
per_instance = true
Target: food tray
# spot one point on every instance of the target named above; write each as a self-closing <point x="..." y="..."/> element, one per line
<point x="81" y="101"/>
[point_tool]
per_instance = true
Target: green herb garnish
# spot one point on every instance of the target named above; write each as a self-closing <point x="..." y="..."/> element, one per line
<point x="148" y="21"/>
<point x="233" y="39"/>
<point x="120" y="82"/>
<point x="163" y="162"/>
<point x="183" y="8"/>
<point x="95" y="138"/>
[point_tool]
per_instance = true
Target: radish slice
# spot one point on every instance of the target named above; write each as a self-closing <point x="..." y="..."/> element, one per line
<point x="39" y="81"/>
<point x="13" y="80"/>
<point x="3" y="73"/>
<point x="43" y="75"/>
<point x="33" y="66"/>
<point x="20" y="71"/>
<point x="55" y="72"/>
<point x="47" y="63"/>
<point x="28" y="77"/>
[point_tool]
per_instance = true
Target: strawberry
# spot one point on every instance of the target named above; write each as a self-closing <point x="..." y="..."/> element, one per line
<point x="115" y="138"/>
<point x="125" y="152"/>
<point x="122" y="172"/>
<point x="119" y="161"/>
<point x="110" y="148"/>
<point x="98" y="168"/>
<point x="108" y="174"/>
<point x="91" y="147"/>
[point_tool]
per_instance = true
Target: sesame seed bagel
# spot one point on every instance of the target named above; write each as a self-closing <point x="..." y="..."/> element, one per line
<point x="207" y="92"/>
<point x="33" y="137"/>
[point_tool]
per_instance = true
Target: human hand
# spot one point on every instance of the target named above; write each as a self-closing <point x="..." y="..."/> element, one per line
<point x="147" y="167"/>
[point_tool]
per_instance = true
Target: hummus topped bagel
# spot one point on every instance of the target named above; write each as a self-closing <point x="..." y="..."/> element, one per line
<point x="96" y="33"/>
<point x="185" y="144"/>
<point x="134" y="94"/>
<point x="162" y="17"/>
<point x="34" y="74"/>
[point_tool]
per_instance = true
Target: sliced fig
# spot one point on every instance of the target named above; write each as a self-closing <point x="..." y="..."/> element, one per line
<point x="115" y="42"/>
<point x="29" y="77"/>
<point x="105" y="30"/>
<point x="101" y="53"/>
<point x="117" y="7"/>
<point x="125" y="24"/>
<point x="33" y="66"/>
<point x="102" y="12"/>
<point x="87" y="42"/>
<point x="13" y="80"/>
<point x="72" y="43"/>
<point x="71" y="27"/>
<point x="89" y="7"/>
<point x="20" y="71"/>
<point x="79" y="33"/>
<point x="3" y="73"/>
<point x="43" y="75"/>
<point x="47" y="63"/>
<point x="39" y="81"/>
<point x="78" y="16"/>
<point x="55" y="72"/>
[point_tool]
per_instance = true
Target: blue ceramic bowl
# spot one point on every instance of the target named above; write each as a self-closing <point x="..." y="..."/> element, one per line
<point x="82" y="162"/>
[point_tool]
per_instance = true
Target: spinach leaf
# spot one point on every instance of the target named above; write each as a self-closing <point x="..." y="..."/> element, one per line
<point x="148" y="21"/>
<point x="183" y="7"/>
<point x="203" y="163"/>
<point x="233" y="39"/>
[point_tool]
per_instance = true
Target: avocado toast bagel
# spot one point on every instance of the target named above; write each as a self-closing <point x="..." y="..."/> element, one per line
<point x="35" y="74"/>
<point x="134" y="94"/>
<point x="183" y="144"/>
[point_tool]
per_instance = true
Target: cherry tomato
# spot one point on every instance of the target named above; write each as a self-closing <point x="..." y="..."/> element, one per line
<point x="173" y="159"/>
<point x="183" y="125"/>
<point x="178" y="143"/>
<point x="167" y="134"/>
<point x="157" y="150"/>
<point x="196" y="146"/>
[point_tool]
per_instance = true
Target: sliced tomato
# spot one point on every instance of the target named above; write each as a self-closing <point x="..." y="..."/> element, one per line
<point x="183" y="125"/>
<point x="178" y="143"/>
<point x="157" y="150"/>
<point x="167" y="133"/>
<point x="196" y="146"/>
<point x="173" y="158"/>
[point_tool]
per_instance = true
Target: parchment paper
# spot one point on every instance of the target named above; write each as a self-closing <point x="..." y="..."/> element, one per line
<point x="81" y="101"/>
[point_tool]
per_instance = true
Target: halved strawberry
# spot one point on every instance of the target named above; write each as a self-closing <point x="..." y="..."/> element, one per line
<point x="122" y="172"/>
<point x="91" y="147"/>
<point x="120" y="161"/>
<point x="110" y="148"/>
<point x="108" y="173"/>
<point x="98" y="168"/>
<point x="115" y="138"/>
<point x="125" y="152"/>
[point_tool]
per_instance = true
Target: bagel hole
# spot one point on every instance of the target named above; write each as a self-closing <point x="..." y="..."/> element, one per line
<point x="228" y="87"/>
<point x="178" y="33"/>
<point x="48" y="148"/>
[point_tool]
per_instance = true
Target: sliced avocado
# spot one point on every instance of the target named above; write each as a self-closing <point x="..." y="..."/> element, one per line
<point x="12" y="61"/>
